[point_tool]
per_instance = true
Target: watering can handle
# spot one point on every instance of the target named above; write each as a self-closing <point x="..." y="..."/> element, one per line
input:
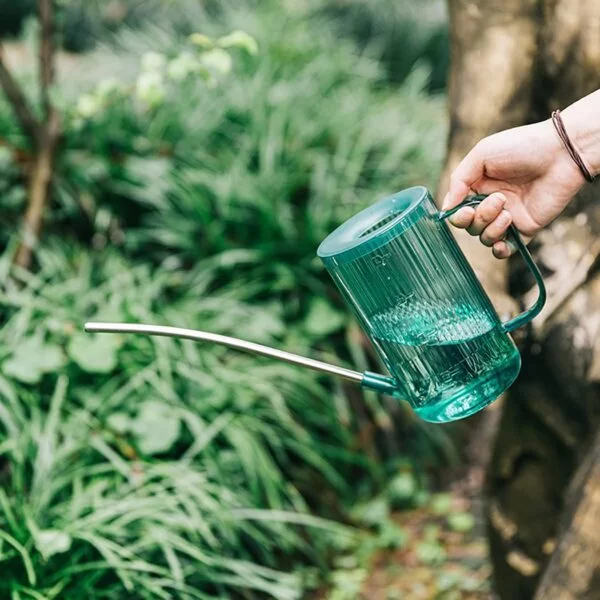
<point x="513" y="236"/>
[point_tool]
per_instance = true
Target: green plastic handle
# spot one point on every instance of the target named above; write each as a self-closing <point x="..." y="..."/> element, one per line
<point x="513" y="234"/>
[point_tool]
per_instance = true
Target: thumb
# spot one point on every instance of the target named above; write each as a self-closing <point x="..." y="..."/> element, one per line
<point x="466" y="174"/>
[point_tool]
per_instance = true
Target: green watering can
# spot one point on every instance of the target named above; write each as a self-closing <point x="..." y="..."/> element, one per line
<point x="417" y="298"/>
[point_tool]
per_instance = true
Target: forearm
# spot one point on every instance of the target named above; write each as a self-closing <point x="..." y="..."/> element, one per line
<point x="582" y="122"/>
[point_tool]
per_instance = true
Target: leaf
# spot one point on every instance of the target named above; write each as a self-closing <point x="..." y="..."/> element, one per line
<point x="441" y="504"/>
<point x="119" y="422"/>
<point x="32" y="358"/>
<point x="392" y="537"/>
<point x="373" y="513"/>
<point x="52" y="541"/>
<point x="156" y="427"/>
<point x="431" y="553"/>
<point x="402" y="488"/>
<point x="322" y="319"/>
<point x="461" y="522"/>
<point x="94" y="353"/>
<point x="347" y="583"/>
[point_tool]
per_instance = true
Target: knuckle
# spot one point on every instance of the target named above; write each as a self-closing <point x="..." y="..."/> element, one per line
<point x="488" y="212"/>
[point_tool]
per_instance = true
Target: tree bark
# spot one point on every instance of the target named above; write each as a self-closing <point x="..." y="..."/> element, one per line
<point x="573" y="569"/>
<point x="39" y="189"/>
<point x="513" y="62"/>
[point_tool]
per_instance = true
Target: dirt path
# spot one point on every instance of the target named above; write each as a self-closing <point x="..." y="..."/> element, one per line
<point x="444" y="558"/>
<point x="441" y="561"/>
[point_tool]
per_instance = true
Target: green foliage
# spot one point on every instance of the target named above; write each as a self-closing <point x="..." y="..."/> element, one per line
<point x="403" y="33"/>
<point x="461" y="522"/>
<point x="85" y="500"/>
<point x="194" y="191"/>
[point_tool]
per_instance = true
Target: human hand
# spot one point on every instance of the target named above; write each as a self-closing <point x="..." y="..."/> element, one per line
<point x="530" y="179"/>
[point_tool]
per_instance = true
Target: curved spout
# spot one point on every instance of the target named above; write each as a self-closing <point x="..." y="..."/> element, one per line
<point x="230" y="342"/>
<point x="373" y="381"/>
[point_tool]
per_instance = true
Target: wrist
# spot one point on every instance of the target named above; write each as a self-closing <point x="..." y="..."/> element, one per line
<point x="582" y="123"/>
<point x="560" y="160"/>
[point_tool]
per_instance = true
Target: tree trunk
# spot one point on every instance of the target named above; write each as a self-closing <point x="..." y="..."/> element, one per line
<point x="572" y="571"/>
<point x="513" y="62"/>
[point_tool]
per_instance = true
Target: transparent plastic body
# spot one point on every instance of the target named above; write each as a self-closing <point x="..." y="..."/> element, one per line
<point x="418" y="299"/>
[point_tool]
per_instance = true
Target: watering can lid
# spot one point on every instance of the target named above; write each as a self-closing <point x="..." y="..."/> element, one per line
<point x="374" y="226"/>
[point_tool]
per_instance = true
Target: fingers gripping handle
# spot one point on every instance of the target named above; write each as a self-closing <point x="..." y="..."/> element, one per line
<point x="515" y="238"/>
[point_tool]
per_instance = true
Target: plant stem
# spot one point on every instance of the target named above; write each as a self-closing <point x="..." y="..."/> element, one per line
<point x="49" y="134"/>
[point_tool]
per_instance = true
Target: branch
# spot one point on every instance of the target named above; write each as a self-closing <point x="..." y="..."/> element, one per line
<point x="45" y="15"/>
<point x="48" y="140"/>
<point x="28" y="123"/>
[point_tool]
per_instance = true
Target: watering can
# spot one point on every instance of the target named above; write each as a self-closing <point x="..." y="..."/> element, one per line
<point x="408" y="283"/>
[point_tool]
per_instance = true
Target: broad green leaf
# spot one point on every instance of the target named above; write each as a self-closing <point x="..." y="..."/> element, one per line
<point x="52" y="541"/>
<point x="322" y="319"/>
<point x="441" y="504"/>
<point x="431" y="553"/>
<point x="373" y="513"/>
<point x="347" y="584"/>
<point x="119" y="422"/>
<point x="94" y="353"/>
<point x="21" y="370"/>
<point x="32" y="358"/>
<point x="402" y="488"/>
<point x="461" y="522"/>
<point x="392" y="537"/>
<point x="156" y="427"/>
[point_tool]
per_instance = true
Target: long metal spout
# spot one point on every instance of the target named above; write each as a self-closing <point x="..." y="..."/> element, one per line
<point x="230" y="342"/>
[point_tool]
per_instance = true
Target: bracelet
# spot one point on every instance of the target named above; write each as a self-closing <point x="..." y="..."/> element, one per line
<point x="564" y="136"/>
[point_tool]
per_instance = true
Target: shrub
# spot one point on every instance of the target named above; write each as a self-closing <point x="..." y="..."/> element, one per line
<point x="165" y="469"/>
<point x="148" y="465"/>
<point x="401" y="32"/>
